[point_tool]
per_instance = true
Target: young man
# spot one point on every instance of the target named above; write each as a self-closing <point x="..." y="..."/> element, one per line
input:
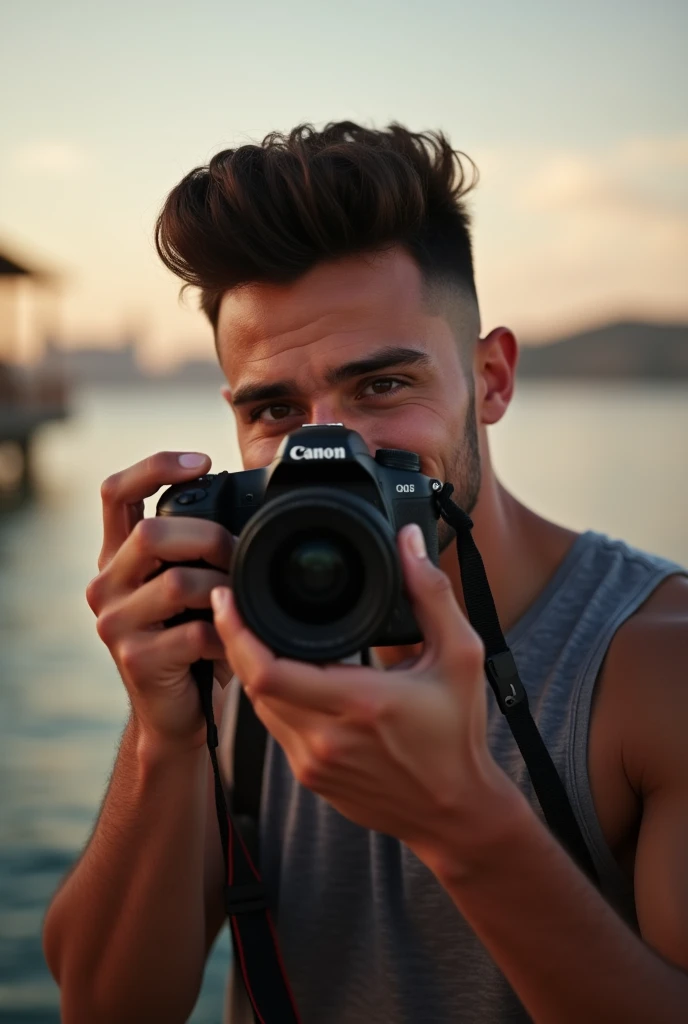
<point x="410" y="873"/>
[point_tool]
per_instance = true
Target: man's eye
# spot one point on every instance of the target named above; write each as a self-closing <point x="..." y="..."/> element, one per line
<point x="383" y="386"/>
<point x="380" y="387"/>
<point x="277" y="412"/>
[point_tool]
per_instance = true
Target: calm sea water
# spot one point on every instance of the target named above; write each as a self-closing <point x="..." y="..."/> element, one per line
<point x="611" y="459"/>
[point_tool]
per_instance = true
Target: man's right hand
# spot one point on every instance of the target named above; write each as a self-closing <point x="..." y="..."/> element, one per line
<point x="131" y="606"/>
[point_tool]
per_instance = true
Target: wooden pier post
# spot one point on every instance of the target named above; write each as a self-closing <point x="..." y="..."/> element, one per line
<point x="27" y="399"/>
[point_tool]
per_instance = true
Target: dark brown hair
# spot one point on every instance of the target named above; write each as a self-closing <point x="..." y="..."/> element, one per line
<point x="271" y="212"/>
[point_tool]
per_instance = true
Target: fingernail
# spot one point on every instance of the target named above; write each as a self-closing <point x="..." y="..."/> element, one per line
<point x="416" y="541"/>
<point x="218" y="598"/>
<point x="191" y="460"/>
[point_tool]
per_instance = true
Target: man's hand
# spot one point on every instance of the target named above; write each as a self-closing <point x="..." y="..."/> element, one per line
<point x="132" y="605"/>
<point x="402" y="752"/>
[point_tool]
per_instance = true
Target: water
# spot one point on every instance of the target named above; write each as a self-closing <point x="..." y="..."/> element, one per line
<point x="613" y="459"/>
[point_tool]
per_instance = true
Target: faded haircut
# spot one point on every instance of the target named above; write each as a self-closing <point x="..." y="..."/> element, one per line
<point x="271" y="212"/>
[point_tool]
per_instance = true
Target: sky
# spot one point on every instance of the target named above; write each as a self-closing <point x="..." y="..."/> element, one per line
<point x="576" y="115"/>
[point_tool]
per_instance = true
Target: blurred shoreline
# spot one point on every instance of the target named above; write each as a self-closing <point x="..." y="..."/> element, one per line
<point x="616" y="351"/>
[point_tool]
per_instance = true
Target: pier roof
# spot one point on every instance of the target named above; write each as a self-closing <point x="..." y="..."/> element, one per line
<point x="10" y="266"/>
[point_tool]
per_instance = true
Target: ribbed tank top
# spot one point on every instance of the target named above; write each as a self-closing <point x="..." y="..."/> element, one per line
<point x="367" y="933"/>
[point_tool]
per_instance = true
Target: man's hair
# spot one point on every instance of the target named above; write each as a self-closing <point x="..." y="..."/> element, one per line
<point x="271" y="212"/>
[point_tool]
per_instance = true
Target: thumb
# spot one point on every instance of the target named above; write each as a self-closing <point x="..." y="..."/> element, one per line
<point x="449" y="636"/>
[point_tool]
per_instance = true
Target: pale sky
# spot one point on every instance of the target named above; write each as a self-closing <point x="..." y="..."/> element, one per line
<point x="576" y="115"/>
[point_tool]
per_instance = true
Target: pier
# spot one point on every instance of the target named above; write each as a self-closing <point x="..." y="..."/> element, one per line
<point x="28" y="398"/>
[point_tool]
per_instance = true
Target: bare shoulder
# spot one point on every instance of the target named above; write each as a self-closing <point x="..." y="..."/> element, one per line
<point x="643" y="705"/>
<point x="644" y="684"/>
<point x="637" y="727"/>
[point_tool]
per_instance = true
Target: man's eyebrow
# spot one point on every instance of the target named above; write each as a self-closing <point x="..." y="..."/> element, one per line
<point x="263" y="392"/>
<point x="383" y="359"/>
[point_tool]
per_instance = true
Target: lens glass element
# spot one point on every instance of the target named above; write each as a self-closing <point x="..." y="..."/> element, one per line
<point x="317" y="577"/>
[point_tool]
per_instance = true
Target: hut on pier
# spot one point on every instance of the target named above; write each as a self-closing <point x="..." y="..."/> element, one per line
<point x="28" y="399"/>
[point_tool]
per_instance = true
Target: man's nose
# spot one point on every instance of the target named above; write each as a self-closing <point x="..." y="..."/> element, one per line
<point x="332" y="412"/>
<point x="327" y="411"/>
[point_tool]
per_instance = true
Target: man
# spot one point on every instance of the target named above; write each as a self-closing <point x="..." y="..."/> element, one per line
<point x="410" y="873"/>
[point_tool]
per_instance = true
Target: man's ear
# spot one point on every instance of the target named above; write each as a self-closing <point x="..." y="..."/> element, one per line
<point x="496" y="356"/>
<point x="226" y="393"/>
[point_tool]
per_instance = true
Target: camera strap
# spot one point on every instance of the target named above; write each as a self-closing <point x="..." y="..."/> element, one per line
<point x="254" y="938"/>
<point x="503" y="677"/>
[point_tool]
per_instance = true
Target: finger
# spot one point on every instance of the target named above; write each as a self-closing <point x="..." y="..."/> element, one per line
<point x="156" y="655"/>
<point x="317" y="751"/>
<point x="250" y="658"/>
<point x="296" y="718"/>
<point x="123" y="493"/>
<point x="449" y="636"/>
<point x="332" y="689"/>
<point x="289" y="739"/>
<point x="172" y="592"/>
<point x="166" y="539"/>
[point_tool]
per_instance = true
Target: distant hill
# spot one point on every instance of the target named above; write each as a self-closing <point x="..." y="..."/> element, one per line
<point x="616" y="351"/>
<point x="94" y="364"/>
<point x="120" y="365"/>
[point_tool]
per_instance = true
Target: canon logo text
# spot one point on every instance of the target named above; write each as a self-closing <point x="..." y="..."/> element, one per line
<point x="299" y="451"/>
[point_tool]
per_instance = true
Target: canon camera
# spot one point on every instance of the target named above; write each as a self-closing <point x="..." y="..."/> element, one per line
<point x="315" y="570"/>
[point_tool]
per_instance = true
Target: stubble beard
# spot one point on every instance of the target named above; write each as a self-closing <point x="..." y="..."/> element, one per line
<point x="465" y="474"/>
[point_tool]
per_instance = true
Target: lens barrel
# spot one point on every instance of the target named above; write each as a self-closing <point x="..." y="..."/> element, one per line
<point x="316" y="573"/>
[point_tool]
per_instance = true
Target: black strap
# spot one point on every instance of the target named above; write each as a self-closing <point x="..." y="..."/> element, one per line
<point x="504" y="679"/>
<point x="249" y="758"/>
<point x="250" y="738"/>
<point x="256" y="949"/>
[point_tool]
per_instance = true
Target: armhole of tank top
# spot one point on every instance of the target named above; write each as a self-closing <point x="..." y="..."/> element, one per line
<point x="577" y="768"/>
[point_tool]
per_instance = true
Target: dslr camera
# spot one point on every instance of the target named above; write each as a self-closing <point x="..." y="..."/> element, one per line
<point x="315" y="570"/>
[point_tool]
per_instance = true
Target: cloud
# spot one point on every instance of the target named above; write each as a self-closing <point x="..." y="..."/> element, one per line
<point x="636" y="178"/>
<point x="664" y="151"/>
<point x="51" y="157"/>
<point x="587" y="230"/>
<point x="619" y="209"/>
<point x="565" y="180"/>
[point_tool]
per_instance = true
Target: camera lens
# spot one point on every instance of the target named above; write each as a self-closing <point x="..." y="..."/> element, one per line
<point x="315" y="573"/>
<point x="317" y="578"/>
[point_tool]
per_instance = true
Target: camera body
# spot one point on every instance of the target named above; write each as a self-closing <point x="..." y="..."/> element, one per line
<point x="315" y="570"/>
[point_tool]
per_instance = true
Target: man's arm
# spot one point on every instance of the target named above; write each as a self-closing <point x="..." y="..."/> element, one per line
<point x="564" y="950"/>
<point x="126" y="935"/>
<point x="649" y="667"/>
<point x="135" y="948"/>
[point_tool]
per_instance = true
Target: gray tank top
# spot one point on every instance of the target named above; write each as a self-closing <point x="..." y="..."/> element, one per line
<point x="366" y="931"/>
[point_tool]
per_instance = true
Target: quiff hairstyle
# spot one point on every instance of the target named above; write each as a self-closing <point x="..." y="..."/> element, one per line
<point x="271" y="212"/>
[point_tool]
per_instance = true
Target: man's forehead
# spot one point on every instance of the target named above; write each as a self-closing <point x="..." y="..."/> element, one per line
<point x="338" y="313"/>
<point x="351" y="288"/>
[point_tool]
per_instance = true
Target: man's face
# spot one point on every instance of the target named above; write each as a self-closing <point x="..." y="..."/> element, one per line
<point x="354" y="342"/>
